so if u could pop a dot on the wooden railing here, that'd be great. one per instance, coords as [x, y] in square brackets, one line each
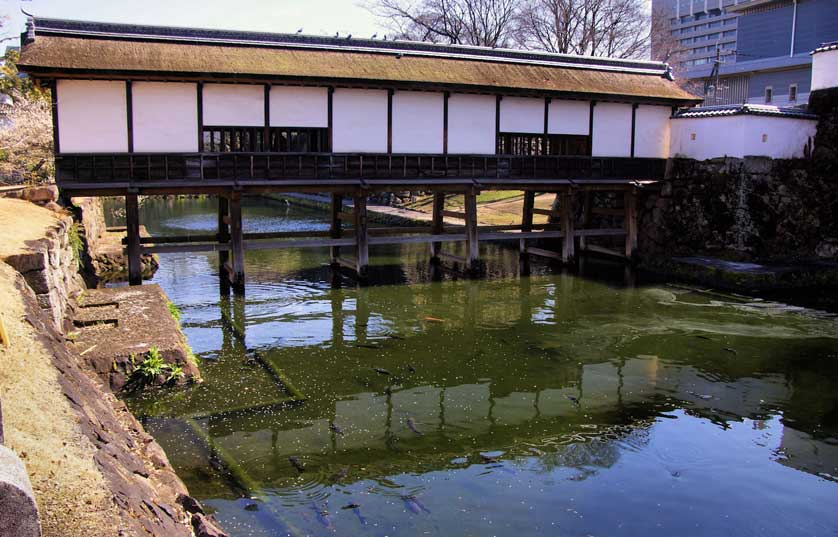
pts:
[243, 168]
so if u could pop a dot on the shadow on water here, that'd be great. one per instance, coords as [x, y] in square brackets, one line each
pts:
[514, 405]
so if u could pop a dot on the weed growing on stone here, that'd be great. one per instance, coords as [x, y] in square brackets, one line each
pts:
[174, 310]
[151, 367]
[76, 244]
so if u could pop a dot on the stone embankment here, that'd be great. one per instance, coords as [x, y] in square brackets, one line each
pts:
[93, 470]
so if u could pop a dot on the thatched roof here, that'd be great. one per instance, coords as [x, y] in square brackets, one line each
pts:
[74, 48]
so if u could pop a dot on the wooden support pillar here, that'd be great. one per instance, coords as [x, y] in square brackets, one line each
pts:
[586, 219]
[237, 242]
[526, 217]
[133, 251]
[223, 228]
[568, 242]
[362, 255]
[630, 202]
[335, 230]
[472, 246]
[437, 224]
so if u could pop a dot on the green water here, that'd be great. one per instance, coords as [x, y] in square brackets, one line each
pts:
[550, 404]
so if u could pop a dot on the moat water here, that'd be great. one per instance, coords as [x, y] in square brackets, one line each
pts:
[516, 405]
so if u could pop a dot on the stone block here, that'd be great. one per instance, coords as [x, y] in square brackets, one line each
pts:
[29, 261]
[18, 510]
[41, 193]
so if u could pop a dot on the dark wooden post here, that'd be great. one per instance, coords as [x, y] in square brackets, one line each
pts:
[237, 241]
[335, 230]
[568, 246]
[630, 202]
[437, 224]
[361, 239]
[473, 255]
[132, 228]
[223, 229]
[586, 218]
[526, 217]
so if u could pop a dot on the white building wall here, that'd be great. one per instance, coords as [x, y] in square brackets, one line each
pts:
[651, 131]
[299, 107]
[165, 117]
[359, 121]
[612, 130]
[417, 122]
[234, 105]
[92, 116]
[740, 136]
[825, 70]
[522, 114]
[569, 117]
[471, 124]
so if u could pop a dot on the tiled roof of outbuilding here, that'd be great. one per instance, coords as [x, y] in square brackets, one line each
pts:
[743, 109]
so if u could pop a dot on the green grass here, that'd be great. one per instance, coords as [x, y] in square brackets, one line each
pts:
[174, 311]
[75, 242]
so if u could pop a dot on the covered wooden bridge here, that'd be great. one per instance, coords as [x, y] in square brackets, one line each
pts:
[157, 110]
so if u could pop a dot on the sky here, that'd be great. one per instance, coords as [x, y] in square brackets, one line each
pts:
[314, 16]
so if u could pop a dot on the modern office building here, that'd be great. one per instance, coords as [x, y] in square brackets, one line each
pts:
[763, 46]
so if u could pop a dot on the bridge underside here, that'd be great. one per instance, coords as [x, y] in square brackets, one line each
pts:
[354, 177]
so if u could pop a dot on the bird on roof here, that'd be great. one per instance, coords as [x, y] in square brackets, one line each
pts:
[337, 34]
[300, 31]
[349, 36]
[374, 35]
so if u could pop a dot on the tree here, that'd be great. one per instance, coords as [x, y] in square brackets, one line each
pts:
[488, 23]
[13, 84]
[613, 28]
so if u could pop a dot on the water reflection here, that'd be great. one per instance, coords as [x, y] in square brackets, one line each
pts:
[541, 405]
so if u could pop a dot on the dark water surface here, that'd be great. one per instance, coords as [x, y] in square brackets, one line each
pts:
[513, 406]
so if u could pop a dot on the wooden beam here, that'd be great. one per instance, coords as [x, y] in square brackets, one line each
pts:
[129, 107]
[346, 215]
[472, 244]
[390, 121]
[132, 229]
[633, 126]
[361, 236]
[497, 122]
[53, 90]
[303, 243]
[546, 120]
[605, 251]
[445, 96]
[453, 258]
[438, 223]
[455, 214]
[544, 253]
[586, 218]
[547, 212]
[335, 230]
[630, 224]
[200, 99]
[412, 239]
[610, 211]
[527, 212]
[329, 116]
[237, 241]
[223, 228]
[568, 246]
[266, 131]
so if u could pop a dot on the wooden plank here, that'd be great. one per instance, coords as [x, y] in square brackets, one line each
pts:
[237, 240]
[453, 258]
[361, 236]
[132, 229]
[223, 228]
[547, 212]
[410, 239]
[601, 232]
[603, 250]
[178, 248]
[303, 243]
[520, 235]
[346, 216]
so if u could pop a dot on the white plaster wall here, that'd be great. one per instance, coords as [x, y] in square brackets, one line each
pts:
[569, 117]
[234, 105]
[704, 138]
[651, 131]
[359, 121]
[471, 124]
[612, 130]
[299, 106]
[740, 136]
[417, 122]
[92, 116]
[522, 114]
[165, 116]
[776, 137]
[825, 70]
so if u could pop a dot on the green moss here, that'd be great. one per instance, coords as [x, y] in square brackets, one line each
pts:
[76, 243]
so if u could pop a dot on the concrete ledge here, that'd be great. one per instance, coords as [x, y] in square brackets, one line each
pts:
[18, 510]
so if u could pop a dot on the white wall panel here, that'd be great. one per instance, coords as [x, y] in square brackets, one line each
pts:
[825, 70]
[92, 116]
[651, 131]
[299, 107]
[569, 117]
[522, 114]
[234, 105]
[417, 122]
[612, 130]
[165, 116]
[471, 124]
[359, 121]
